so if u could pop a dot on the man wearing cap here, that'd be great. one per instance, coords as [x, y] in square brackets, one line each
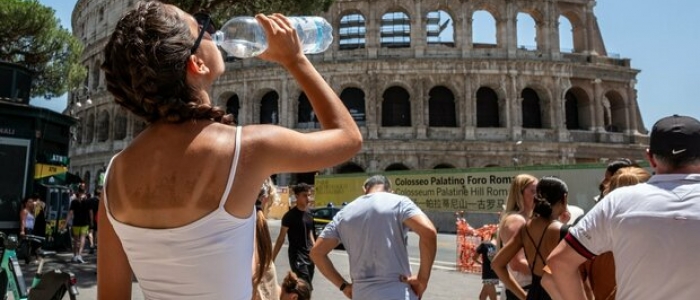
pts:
[653, 229]
[374, 230]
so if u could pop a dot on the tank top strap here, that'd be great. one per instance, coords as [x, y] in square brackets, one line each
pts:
[234, 165]
[104, 185]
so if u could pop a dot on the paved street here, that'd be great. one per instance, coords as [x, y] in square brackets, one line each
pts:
[445, 282]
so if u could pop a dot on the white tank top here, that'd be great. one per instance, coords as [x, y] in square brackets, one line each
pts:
[210, 258]
[29, 220]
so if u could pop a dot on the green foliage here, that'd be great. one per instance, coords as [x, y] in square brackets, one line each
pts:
[32, 36]
[223, 10]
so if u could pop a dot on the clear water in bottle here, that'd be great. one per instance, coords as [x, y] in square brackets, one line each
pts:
[243, 37]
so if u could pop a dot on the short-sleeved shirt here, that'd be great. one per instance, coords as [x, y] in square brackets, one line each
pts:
[81, 212]
[487, 251]
[653, 230]
[372, 231]
[300, 224]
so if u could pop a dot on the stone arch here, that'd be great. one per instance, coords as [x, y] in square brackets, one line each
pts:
[396, 167]
[395, 29]
[531, 108]
[96, 71]
[396, 107]
[269, 108]
[484, 20]
[578, 109]
[350, 167]
[436, 22]
[442, 110]
[90, 128]
[566, 37]
[120, 120]
[614, 112]
[444, 166]
[233, 106]
[578, 29]
[352, 30]
[487, 108]
[103, 126]
[308, 178]
[527, 38]
[306, 117]
[354, 100]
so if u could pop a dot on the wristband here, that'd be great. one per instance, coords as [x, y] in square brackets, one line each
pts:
[343, 286]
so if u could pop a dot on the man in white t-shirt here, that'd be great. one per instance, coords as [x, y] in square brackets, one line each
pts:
[652, 229]
[374, 232]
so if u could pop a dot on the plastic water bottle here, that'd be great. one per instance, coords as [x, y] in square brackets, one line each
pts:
[244, 37]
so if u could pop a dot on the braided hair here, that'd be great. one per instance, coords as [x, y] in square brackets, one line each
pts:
[145, 66]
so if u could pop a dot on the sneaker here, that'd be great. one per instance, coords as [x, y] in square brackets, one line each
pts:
[79, 259]
[74, 259]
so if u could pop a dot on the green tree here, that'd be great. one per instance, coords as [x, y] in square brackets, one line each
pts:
[222, 10]
[32, 36]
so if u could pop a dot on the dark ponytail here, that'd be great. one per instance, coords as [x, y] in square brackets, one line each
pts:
[550, 191]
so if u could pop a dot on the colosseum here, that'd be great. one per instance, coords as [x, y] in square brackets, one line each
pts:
[425, 91]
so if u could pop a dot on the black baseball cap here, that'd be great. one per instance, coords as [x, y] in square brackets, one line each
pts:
[675, 136]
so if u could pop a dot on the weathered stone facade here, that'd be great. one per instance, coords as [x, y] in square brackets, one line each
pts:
[421, 102]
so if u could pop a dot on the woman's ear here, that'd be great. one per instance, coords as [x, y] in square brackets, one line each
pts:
[196, 65]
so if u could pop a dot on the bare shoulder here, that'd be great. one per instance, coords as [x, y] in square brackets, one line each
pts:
[514, 220]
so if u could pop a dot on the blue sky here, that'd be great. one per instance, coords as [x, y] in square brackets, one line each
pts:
[661, 40]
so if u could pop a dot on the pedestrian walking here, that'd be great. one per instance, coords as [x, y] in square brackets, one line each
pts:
[297, 227]
[484, 254]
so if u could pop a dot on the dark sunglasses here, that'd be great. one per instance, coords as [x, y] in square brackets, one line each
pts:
[206, 24]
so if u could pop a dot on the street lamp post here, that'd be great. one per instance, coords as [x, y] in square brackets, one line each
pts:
[77, 94]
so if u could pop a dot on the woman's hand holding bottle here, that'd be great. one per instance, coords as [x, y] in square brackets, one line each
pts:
[283, 42]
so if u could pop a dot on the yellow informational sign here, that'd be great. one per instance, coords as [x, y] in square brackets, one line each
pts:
[475, 190]
[44, 170]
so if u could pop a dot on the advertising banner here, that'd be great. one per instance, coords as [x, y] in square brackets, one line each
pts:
[472, 190]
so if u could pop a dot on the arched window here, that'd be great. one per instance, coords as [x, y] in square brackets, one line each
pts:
[396, 167]
[350, 168]
[566, 35]
[351, 31]
[120, 125]
[396, 108]
[90, 128]
[441, 108]
[578, 109]
[614, 112]
[308, 178]
[527, 32]
[443, 166]
[395, 31]
[354, 100]
[483, 29]
[103, 126]
[269, 112]
[487, 108]
[96, 75]
[440, 28]
[532, 113]
[306, 117]
[232, 107]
